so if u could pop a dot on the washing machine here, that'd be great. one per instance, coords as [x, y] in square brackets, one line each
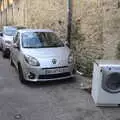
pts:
[106, 82]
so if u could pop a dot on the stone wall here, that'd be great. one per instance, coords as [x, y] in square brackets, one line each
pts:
[97, 24]
[3, 16]
[111, 28]
[87, 32]
[10, 18]
[48, 14]
[18, 12]
[15, 14]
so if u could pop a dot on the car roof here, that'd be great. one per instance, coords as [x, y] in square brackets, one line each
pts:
[34, 30]
[15, 26]
[8, 26]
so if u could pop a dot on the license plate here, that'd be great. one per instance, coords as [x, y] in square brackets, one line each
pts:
[55, 71]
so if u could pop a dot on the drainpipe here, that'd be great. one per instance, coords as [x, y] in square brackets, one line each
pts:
[1, 18]
[12, 14]
[69, 18]
[6, 16]
[24, 15]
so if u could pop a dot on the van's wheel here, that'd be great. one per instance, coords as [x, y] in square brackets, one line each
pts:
[21, 76]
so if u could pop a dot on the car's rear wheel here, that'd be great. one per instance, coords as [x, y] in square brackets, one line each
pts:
[21, 76]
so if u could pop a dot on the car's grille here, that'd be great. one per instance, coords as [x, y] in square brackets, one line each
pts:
[51, 76]
[55, 67]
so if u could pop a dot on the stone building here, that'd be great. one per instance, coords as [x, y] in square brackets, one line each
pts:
[95, 25]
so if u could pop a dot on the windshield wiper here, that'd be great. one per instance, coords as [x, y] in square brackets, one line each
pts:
[31, 47]
[46, 46]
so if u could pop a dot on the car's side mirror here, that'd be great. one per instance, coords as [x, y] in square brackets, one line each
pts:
[66, 43]
[16, 46]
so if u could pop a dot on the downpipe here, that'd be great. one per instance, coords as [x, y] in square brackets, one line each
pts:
[69, 26]
[69, 21]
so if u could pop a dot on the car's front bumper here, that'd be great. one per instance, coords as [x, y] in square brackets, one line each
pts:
[51, 79]
[39, 74]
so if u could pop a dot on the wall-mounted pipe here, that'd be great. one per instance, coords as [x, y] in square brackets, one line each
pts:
[1, 18]
[69, 23]
[12, 14]
[118, 3]
[6, 16]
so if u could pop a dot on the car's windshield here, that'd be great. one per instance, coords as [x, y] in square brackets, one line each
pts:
[10, 31]
[40, 40]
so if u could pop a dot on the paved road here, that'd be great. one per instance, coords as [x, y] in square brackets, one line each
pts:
[58, 100]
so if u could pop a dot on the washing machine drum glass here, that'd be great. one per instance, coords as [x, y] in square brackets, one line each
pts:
[111, 83]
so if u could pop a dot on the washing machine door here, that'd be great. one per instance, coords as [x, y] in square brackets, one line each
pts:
[111, 81]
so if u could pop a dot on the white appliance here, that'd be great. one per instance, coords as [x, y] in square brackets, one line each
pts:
[106, 83]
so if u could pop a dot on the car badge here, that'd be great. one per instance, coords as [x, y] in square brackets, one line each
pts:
[54, 61]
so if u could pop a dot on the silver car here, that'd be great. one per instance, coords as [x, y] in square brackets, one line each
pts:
[8, 33]
[39, 55]
[7, 39]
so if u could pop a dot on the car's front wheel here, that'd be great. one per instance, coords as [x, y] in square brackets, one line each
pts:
[21, 76]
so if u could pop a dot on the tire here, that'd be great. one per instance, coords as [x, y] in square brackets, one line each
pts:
[3, 54]
[21, 76]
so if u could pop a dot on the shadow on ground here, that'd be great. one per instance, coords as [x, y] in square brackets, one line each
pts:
[50, 83]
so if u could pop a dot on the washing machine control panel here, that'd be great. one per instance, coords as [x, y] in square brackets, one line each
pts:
[111, 69]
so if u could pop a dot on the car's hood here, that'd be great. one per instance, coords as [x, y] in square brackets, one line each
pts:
[47, 52]
[46, 55]
[5, 37]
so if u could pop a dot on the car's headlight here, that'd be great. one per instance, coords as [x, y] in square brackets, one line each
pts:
[31, 60]
[70, 58]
